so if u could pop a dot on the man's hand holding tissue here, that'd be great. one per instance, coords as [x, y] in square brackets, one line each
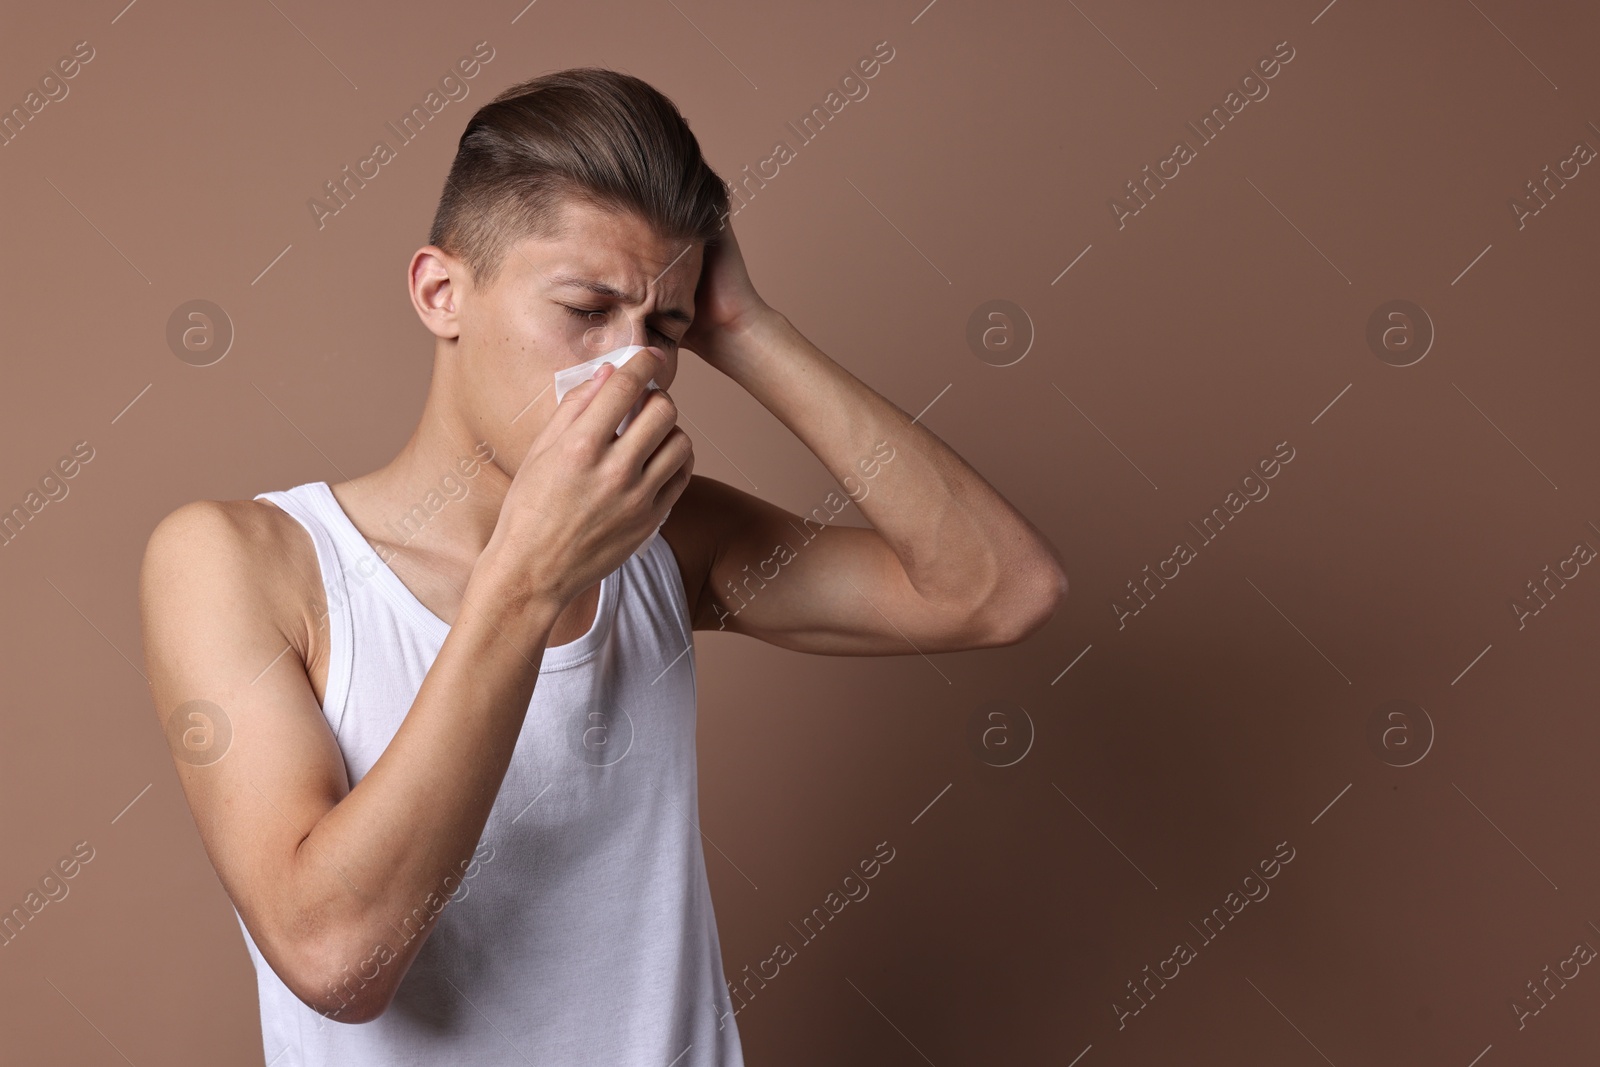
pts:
[585, 497]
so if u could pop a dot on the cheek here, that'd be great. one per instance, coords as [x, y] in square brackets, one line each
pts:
[522, 345]
[511, 324]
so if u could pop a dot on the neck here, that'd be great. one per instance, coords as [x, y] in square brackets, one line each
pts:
[439, 495]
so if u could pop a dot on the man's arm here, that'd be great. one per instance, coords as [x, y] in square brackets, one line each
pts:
[338, 887]
[947, 564]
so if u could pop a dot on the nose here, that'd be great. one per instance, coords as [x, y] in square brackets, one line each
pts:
[615, 333]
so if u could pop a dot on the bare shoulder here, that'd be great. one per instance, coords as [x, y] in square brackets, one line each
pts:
[222, 601]
[248, 552]
[694, 533]
[250, 537]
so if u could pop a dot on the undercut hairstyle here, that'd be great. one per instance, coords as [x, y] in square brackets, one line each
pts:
[585, 134]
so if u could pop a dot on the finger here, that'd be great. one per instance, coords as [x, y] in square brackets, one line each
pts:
[619, 392]
[580, 395]
[575, 400]
[649, 428]
[674, 486]
[665, 462]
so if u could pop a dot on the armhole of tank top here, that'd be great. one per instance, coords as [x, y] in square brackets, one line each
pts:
[340, 646]
[671, 574]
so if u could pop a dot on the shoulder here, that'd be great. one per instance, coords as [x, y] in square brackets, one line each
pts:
[222, 531]
[246, 553]
[696, 531]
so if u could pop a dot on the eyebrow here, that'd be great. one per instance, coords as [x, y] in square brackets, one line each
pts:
[602, 289]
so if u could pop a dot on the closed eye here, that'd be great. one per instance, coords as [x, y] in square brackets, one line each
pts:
[585, 313]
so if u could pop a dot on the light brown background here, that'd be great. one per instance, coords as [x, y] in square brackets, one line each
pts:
[1174, 754]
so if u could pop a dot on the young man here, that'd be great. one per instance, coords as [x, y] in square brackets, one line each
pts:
[457, 803]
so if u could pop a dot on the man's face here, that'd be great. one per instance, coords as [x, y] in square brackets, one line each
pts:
[609, 280]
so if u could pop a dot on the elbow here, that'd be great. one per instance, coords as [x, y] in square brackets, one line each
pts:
[334, 1009]
[330, 948]
[346, 996]
[342, 984]
[1036, 598]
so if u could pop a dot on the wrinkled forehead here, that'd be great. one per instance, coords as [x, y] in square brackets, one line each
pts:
[616, 255]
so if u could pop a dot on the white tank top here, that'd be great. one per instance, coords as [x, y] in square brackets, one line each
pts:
[582, 930]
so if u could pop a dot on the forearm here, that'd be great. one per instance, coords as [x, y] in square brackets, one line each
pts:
[379, 866]
[957, 538]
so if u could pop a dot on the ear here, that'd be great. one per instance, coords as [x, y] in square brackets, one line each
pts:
[437, 280]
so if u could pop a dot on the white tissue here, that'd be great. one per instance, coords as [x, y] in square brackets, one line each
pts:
[568, 378]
